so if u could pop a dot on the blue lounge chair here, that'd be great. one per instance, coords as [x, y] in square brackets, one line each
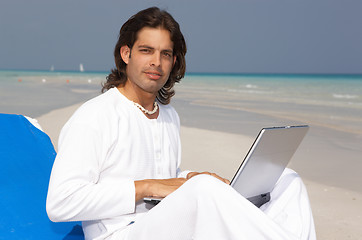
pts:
[26, 157]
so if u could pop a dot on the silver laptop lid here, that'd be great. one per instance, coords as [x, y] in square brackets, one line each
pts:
[267, 159]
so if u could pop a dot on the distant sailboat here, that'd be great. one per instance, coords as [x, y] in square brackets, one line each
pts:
[81, 68]
[52, 68]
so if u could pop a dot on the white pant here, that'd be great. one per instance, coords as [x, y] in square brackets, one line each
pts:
[206, 208]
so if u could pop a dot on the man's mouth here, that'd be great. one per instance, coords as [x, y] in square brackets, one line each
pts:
[154, 75]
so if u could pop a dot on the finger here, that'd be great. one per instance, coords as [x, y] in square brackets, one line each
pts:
[215, 175]
[192, 174]
[220, 178]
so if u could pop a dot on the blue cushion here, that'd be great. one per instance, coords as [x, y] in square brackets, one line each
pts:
[26, 157]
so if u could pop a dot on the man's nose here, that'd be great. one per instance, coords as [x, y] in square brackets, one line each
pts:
[156, 60]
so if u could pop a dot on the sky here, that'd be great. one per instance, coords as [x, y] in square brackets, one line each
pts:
[228, 36]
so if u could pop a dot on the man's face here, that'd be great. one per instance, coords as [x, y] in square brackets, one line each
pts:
[150, 60]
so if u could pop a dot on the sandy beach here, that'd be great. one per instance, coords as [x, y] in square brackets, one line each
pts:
[337, 211]
[220, 118]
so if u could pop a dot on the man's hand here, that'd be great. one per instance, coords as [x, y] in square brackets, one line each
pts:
[157, 187]
[193, 174]
[163, 187]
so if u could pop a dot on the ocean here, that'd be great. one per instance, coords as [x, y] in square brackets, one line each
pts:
[34, 93]
[333, 101]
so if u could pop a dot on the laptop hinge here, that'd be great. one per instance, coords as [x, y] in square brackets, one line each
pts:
[260, 199]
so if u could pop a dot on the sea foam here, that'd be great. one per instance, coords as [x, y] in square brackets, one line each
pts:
[344, 96]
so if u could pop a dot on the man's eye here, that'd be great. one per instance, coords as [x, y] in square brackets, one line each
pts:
[167, 54]
[145, 50]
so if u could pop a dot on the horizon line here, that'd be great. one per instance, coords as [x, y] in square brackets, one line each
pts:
[196, 73]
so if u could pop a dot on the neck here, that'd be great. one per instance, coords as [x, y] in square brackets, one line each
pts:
[145, 99]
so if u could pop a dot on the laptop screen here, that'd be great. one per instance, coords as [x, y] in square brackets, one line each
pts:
[267, 159]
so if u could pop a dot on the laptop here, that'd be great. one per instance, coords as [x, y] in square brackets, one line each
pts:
[264, 163]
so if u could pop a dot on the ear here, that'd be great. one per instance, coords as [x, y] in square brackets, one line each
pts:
[125, 52]
[174, 61]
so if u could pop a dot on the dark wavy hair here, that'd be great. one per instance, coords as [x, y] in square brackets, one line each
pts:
[154, 18]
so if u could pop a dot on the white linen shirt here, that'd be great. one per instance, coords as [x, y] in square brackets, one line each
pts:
[104, 147]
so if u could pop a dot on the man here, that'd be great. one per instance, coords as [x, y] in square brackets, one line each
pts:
[124, 145]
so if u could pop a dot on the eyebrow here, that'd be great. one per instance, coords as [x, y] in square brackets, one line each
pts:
[145, 46]
[151, 48]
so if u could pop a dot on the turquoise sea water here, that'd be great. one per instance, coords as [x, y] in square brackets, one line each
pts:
[330, 100]
[329, 90]
[34, 93]
[334, 101]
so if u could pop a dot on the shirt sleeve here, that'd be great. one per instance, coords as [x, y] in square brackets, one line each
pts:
[75, 191]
